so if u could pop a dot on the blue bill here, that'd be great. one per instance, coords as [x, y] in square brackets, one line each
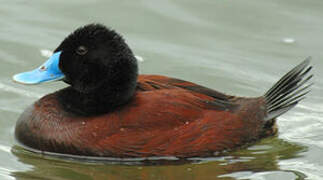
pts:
[49, 71]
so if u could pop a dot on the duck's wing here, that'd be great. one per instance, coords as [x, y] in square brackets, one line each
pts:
[152, 82]
[155, 82]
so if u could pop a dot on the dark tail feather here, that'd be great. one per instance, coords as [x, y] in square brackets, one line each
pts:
[289, 90]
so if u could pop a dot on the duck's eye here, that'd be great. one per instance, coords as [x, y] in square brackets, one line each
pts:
[81, 50]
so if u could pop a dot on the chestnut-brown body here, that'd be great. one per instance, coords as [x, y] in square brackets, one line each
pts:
[166, 117]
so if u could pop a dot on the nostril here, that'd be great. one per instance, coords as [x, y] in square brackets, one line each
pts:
[42, 68]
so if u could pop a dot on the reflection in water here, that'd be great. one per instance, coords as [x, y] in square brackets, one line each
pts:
[262, 157]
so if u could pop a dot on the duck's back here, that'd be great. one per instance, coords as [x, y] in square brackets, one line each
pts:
[166, 117]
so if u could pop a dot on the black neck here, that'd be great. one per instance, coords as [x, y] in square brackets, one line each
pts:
[116, 91]
[92, 104]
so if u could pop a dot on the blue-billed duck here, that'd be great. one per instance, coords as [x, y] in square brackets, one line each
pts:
[109, 110]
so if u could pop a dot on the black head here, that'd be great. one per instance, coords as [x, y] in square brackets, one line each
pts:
[99, 66]
[94, 57]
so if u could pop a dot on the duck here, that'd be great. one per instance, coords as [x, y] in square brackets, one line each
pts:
[108, 109]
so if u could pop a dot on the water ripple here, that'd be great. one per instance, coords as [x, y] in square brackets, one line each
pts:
[19, 91]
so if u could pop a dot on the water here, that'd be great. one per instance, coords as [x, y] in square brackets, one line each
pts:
[238, 47]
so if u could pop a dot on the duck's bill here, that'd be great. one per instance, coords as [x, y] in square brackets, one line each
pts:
[47, 72]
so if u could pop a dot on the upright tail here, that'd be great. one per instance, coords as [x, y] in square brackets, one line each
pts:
[289, 90]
